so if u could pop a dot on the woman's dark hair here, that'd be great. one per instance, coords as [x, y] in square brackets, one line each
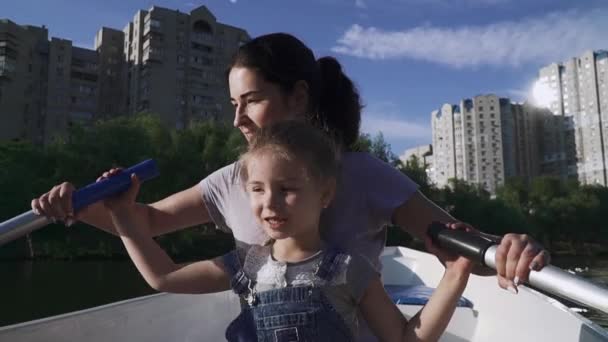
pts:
[333, 98]
[295, 140]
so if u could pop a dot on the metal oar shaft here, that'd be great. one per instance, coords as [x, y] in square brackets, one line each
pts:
[28, 222]
[551, 279]
[561, 283]
[21, 225]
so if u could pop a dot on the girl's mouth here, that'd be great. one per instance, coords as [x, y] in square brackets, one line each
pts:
[275, 222]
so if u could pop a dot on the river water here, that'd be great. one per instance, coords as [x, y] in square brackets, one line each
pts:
[32, 290]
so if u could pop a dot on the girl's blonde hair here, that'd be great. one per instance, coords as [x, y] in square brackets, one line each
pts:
[295, 140]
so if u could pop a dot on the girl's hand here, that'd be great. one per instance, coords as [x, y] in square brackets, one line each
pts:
[56, 204]
[452, 261]
[123, 202]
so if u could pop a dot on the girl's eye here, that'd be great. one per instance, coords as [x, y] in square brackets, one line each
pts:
[252, 100]
[256, 189]
[288, 189]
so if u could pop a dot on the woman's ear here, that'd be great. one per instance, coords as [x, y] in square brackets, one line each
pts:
[328, 193]
[300, 98]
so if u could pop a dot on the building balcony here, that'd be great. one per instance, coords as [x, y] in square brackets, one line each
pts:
[7, 72]
[153, 55]
[199, 37]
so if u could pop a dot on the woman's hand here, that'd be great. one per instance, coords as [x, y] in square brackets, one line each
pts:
[516, 256]
[56, 204]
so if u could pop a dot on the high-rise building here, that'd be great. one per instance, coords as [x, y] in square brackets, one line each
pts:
[47, 85]
[109, 44]
[24, 53]
[424, 154]
[576, 91]
[485, 140]
[177, 63]
[443, 123]
[165, 62]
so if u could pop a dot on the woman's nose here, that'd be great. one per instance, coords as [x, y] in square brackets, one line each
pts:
[239, 114]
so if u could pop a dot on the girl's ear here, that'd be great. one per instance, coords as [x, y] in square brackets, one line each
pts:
[328, 193]
[299, 98]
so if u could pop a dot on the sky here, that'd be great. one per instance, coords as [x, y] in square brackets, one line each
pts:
[407, 57]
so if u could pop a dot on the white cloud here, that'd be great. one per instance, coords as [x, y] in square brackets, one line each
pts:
[397, 130]
[360, 4]
[233, 1]
[551, 38]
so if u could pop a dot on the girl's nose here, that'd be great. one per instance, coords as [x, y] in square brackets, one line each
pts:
[272, 200]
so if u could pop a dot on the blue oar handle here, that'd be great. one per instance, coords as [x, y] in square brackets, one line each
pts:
[114, 185]
[28, 222]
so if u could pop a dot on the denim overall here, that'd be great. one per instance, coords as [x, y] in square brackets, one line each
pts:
[298, 313]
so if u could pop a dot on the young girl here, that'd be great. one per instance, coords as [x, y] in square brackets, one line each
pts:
[296, 287]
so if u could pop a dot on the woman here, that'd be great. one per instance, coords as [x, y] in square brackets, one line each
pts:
[273, 78]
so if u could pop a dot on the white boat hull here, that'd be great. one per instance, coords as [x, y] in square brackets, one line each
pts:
[497, 315]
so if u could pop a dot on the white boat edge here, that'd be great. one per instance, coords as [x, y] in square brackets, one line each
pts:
[497, 315]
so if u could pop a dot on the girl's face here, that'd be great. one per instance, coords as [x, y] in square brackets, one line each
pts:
[286, 201]
[258, 103]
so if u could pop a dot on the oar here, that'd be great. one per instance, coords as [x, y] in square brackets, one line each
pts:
[551, 279]
[28, 221]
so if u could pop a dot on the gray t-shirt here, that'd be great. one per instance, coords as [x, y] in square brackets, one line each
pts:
[368, 192]
[344, 290]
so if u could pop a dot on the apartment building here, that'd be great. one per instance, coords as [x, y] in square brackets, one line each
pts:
[23, 81]
[164, 62]
[177, 63]
[45, 85]
[424, 153]
[577, 93]
[485, 140]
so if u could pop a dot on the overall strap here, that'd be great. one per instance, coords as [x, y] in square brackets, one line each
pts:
[331, 264]
[240, 283]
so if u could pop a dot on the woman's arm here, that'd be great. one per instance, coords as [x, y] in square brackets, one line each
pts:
[180, 210]
[389, 324]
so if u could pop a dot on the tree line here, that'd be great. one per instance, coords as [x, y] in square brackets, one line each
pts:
[562, 214]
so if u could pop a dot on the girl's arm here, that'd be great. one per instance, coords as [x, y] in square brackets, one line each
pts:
[389, 324]
[157, 268]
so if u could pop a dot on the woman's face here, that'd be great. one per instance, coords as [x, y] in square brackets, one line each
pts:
[258, 103]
